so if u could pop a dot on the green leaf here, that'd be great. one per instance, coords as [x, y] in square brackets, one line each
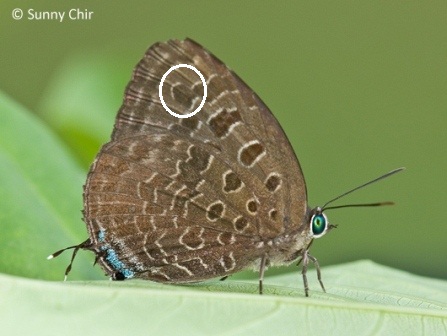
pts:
[41, 188]
[81, 104]
[41, 197]
[363, 299]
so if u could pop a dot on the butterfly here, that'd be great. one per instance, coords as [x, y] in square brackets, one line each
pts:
[179, 200]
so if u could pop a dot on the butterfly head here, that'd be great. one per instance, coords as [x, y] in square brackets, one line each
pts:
[319, 223]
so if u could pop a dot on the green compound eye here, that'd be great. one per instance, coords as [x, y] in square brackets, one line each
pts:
[319, 224]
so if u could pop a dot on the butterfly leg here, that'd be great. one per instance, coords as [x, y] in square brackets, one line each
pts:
[305, 260]
[261, 272]
[317, 266]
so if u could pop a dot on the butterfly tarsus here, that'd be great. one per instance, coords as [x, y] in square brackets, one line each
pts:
[261, 272]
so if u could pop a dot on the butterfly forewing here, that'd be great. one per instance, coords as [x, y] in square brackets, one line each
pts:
[188, 199]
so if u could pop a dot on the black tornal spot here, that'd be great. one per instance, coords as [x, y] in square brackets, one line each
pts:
[231, 182]
[215, 211]
[221, 123]
[119, 276]
[273, 182]
[249, 154]
[252, 206]
[240, 223]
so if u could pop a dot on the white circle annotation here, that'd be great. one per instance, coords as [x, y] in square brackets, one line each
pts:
[205, 90]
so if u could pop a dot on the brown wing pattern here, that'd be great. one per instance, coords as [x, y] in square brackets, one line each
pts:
[170, 195]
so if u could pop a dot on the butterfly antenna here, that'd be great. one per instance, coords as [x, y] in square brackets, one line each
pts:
[325, 207]
[75, 251]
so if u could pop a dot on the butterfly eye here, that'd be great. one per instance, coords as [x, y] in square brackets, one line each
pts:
[318, 225]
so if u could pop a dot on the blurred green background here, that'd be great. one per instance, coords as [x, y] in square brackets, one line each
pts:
[359, 87]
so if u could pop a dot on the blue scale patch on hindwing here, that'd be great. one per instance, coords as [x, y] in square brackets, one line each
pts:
[113, 258]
